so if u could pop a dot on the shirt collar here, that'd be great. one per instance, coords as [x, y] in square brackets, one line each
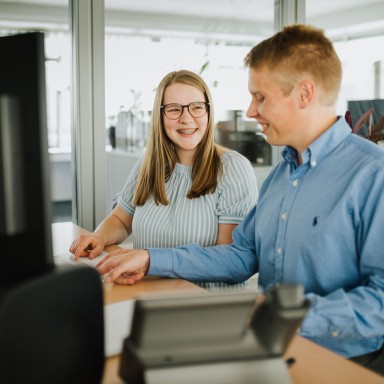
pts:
[323, 145]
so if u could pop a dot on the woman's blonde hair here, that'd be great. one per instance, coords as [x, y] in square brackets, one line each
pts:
[160, 158]
[300, 50]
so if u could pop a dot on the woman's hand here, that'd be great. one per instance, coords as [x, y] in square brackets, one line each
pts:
[89, 245]
[124, 266]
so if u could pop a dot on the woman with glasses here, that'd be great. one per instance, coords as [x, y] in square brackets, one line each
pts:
[186, 188]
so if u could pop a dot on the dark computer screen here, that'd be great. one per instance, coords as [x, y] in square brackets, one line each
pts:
[25, 200]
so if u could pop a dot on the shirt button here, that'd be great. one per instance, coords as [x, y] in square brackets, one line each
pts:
[295, 183]
[279, 250]
[335, 334]
[313, 163]
[284, 216]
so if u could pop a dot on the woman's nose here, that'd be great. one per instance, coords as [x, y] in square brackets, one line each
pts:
[185, 113]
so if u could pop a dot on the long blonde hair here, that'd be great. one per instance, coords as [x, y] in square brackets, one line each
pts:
[160, 158]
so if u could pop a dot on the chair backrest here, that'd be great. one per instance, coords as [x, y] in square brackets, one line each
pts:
[52, 328]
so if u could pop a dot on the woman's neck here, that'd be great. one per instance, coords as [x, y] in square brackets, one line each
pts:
[185, 157]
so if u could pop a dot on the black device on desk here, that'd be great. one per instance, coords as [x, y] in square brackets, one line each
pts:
[51, 318]
[25, 199]
[228, 337]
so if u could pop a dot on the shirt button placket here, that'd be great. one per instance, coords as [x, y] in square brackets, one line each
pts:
[279, 265]
[279, 256]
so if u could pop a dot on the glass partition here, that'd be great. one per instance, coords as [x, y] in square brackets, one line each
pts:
[18, 18]
[137, 57]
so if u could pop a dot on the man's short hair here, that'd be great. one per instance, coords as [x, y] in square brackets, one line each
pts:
[297, 52]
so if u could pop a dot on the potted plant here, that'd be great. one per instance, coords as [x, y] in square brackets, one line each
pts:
[375, 133]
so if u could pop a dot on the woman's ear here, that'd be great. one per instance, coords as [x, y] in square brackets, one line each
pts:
[306, 93]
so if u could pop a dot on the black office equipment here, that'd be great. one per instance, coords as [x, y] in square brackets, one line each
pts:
[25, 200]
[51, 318]
[212, 338]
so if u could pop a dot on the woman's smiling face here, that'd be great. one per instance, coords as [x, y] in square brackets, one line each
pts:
[186, 132]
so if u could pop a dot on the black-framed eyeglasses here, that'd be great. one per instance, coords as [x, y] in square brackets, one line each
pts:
[196, 109]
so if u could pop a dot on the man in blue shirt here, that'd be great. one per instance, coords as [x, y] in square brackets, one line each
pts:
[319, 220]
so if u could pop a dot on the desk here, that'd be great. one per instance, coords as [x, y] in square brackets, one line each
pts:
[313, 363]
[64, 233]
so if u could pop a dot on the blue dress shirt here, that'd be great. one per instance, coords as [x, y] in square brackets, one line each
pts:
[319, 224]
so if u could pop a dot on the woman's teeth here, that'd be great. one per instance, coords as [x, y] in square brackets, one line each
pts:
[186, 131]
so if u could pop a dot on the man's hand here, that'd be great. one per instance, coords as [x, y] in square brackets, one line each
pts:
[124, 266]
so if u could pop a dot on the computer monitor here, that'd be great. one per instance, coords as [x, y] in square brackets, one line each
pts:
[25, 200]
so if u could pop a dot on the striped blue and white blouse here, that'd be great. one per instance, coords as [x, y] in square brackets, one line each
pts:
[184, 221]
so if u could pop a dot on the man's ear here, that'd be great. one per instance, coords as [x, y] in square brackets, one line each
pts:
[306, 93]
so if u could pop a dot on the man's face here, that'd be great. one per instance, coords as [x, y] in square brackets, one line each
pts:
[275, 112]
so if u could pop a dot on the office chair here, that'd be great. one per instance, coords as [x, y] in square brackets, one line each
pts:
[52, 328]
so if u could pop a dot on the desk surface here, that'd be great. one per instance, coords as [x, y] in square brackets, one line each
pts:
[313, 364]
